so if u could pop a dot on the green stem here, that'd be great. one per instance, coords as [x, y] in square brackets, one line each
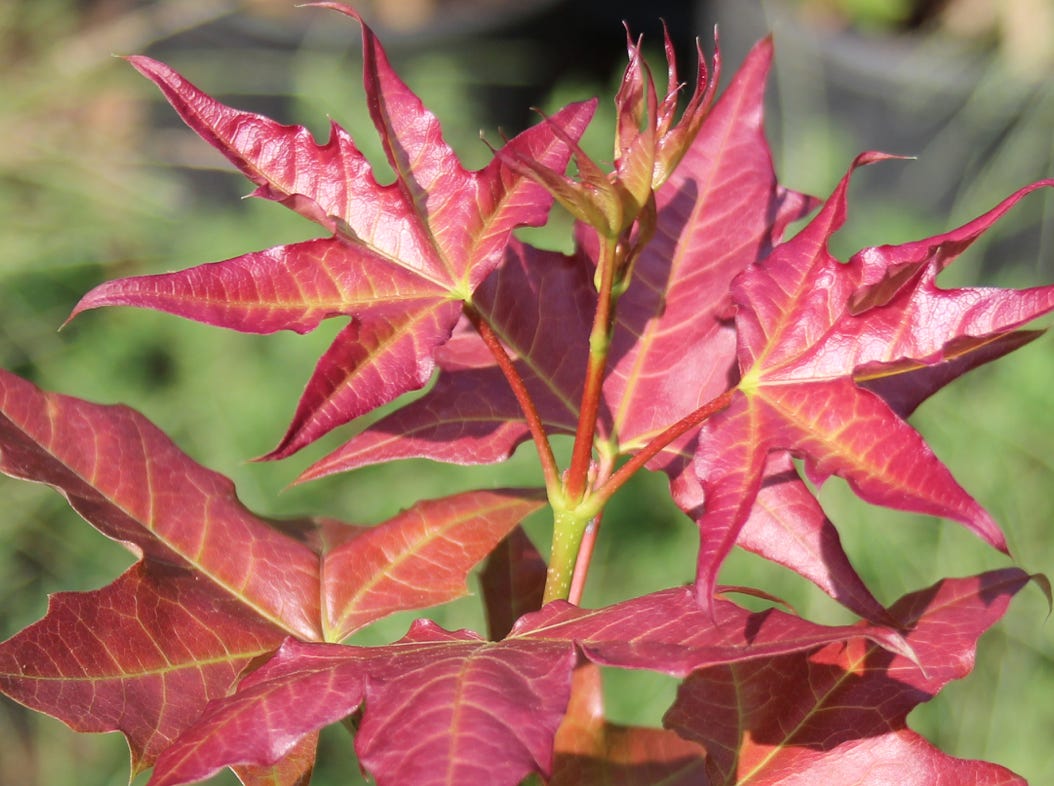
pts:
[550, 470]
[568, 528]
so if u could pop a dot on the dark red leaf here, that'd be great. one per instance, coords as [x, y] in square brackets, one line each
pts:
[838, 714]
[513, 582]
[590, 750]
[476, 709]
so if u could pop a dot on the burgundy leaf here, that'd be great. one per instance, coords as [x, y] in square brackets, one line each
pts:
[591, 750]
[513, 582]
[838, 714]
[402, 256]
[670, 632]
[476, 709]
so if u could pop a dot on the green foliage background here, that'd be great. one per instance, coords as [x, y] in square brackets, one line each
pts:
[97, 180]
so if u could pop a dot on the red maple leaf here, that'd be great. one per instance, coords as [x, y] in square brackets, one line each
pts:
[401, 260]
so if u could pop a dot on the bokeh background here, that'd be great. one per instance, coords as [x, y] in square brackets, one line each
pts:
[99, 179]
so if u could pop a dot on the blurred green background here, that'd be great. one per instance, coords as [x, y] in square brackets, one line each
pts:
[99, 179]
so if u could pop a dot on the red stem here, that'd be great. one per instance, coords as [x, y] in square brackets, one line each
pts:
[599, 339]
[649, 451]
[550, 470]
[585, 556]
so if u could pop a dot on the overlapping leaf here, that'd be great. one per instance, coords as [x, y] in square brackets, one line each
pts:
[217, 587]
[402, 257]
[475, 709]
[808, 326]
[838, 714]
[129, 480]
[539, 304]
[142, 656]
[672, 350]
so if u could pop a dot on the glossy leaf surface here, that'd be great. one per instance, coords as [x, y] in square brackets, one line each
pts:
[808, 326]
[402, 256]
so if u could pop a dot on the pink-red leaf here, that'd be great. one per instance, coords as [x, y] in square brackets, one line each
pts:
[470, 416]
[134, 485]
[417, 559]
[838, 714]
[402, 257]
[807, 325]
[141, 656]
[217, 587]
[466, 727]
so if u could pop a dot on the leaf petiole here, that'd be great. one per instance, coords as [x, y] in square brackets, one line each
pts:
[550, 470]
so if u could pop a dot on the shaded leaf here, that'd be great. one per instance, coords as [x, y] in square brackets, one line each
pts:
[293, 769]
[591, 750]
[838, 714]
[513, 582]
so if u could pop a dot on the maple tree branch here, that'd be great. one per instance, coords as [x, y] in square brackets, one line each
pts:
[607, 489]
[550, 470]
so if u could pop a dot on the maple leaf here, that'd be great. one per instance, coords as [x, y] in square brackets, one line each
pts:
[216, 587]
[672, 350]
[508, 697]
[401, 260]
[813, 717]
[470, 416]
[808, 327]
[674, 309]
